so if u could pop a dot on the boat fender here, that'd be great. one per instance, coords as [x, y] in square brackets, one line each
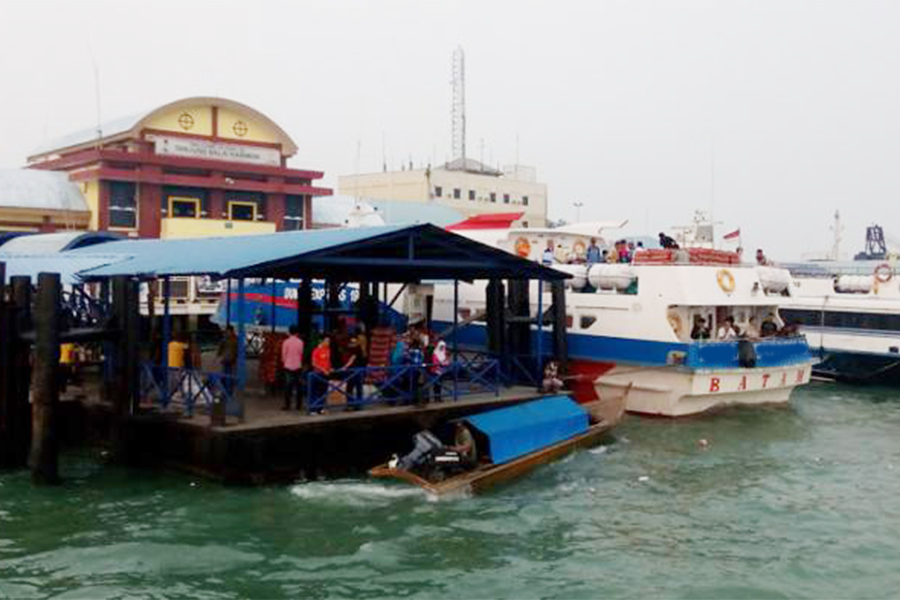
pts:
[883, 272]
[675, 323]
[726, 280]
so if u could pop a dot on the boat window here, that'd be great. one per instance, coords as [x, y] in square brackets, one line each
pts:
[587, 321]
[842, 320]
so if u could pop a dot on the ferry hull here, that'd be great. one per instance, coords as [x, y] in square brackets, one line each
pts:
[672, 392]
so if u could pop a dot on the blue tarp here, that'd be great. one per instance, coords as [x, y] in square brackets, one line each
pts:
[518, 430]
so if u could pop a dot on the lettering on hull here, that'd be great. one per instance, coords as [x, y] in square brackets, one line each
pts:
[764, 381]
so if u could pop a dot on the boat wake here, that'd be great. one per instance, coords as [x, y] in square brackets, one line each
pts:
[354, 493]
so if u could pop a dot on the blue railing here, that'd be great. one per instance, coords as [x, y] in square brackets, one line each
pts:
[190, 387]
[770, 352]
[402, 385]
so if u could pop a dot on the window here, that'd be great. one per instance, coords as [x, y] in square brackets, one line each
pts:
[471, 194]
[293, 213]
[524, 200]
[457, 193]
[184, 208]
[438, 190]
[587, 321]
[241, 211]
[493, 197]
[505, 198]
[122, 205]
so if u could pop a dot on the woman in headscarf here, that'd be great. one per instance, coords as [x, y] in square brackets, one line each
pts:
[440, 362]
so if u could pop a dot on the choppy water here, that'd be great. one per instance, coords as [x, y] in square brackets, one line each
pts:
[800, 502]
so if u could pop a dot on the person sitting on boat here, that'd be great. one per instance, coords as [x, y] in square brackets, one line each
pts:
[752, 331]
[552, 381]
[761, 259]
[593, 252]
[700, 331]
[667, 242]
[464, 445]
[548, 258]
[769, 327]
[727, 331]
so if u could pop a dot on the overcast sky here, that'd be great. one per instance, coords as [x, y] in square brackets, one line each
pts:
[774, 113]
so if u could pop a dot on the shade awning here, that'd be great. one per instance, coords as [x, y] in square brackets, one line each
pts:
[518, 430]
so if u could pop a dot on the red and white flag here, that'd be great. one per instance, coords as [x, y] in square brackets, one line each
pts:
[734, 234]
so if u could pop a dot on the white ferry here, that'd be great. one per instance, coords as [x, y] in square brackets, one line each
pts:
[630, 325]
[850, 310]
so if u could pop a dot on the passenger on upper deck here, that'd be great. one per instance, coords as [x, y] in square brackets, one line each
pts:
[752, 328]
[761, 259]
[666, 241]
[593, 252]
[727, 331]
[547, 259]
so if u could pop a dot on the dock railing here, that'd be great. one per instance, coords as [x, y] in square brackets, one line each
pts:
[189, 388]
[362, 387]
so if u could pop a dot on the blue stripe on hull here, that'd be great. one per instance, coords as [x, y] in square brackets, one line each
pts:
[699, 355]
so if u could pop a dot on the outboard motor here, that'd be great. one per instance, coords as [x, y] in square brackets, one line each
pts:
[425, 447]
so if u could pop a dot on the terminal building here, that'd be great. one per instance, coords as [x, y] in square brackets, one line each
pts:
[465, 185]
[192, 168]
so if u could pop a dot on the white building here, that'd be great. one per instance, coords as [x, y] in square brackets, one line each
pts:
[467, 186]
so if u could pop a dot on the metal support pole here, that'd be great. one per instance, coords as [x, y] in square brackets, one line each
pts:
[272, 303]
[166, 338]
[228, 302]
[242, 337]
[455, 339]
[540, 330]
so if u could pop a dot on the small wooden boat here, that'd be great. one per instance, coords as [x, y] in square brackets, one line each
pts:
[490, 473]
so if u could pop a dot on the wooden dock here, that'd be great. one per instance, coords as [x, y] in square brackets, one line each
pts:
[276, 445]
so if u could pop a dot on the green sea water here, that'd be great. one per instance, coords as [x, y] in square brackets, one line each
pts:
[800, 501]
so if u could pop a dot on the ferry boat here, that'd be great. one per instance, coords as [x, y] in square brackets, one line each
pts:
[630, 325]
[849, 312]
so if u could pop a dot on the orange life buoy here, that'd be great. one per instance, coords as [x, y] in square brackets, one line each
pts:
[523, 247]
[883, 272]
[726, 280]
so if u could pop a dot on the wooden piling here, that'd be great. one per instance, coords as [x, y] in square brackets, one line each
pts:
[20, 359]
[560, 341]
[519, 335]
[44, 459]
[6, 374]
[495, 302]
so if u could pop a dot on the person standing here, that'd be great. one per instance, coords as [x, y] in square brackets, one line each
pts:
[415, 360]
[321, 363]
[176, 351]
[440, 362]
[547, 259]
[227, 353]
[292, 359]
[727, 331]
[355, 367]
[593, 253]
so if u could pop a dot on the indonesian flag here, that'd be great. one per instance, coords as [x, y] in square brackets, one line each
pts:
[734, 234]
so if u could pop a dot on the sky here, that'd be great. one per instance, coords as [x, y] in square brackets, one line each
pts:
[769, 114]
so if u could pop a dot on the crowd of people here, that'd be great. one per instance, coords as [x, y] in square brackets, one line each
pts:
[339, 359]
[729, 330]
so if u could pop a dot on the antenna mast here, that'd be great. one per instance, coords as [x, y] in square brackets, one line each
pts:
[459, 105]
[836, 244]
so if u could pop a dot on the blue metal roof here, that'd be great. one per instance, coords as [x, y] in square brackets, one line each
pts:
[66, 264]
[385, 253]
[519, 430]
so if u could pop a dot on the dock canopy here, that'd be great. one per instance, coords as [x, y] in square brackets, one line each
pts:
[388, 253]
[519, 430]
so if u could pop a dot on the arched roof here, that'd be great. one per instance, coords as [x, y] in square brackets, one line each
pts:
[130, 127]
[51, 243]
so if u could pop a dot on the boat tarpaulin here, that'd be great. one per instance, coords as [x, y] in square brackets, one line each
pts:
[519, 430]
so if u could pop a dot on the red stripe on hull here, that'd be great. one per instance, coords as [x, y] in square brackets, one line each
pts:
[586, 373]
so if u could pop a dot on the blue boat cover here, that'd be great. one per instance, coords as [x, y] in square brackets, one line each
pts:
[519, 430]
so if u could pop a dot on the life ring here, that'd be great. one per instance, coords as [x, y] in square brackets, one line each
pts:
[675, 323]
[726, 280]
[883, 272]
[579, 248]
[523, 247]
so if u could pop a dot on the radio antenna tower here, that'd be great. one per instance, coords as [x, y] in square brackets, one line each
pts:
[459, 105]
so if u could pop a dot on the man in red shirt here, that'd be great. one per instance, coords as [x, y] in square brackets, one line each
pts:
[321, 362]
[292, 359]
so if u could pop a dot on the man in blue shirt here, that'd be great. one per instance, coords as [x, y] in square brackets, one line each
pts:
[593, 252]
[548, 259]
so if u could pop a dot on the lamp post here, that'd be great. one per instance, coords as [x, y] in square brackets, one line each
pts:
[578, 206]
